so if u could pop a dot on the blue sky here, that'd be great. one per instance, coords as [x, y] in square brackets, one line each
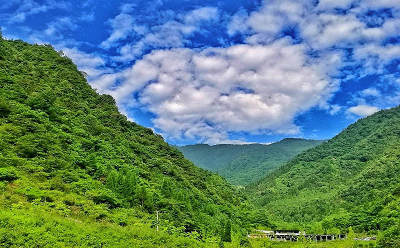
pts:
[227, 71]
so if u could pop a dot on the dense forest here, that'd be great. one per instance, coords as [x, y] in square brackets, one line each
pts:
[352, 180]
[75, 169]
[244, 164]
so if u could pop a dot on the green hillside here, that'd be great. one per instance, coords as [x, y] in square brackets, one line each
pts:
[350, 180]
[244, 164]
[75, 172]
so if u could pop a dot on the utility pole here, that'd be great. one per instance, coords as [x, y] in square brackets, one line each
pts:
[157, 219]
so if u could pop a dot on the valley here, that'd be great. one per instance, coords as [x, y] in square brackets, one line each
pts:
[74, 172]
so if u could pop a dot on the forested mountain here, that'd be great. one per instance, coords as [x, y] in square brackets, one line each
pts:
[350, 180]
[75, 172]
[243, 164]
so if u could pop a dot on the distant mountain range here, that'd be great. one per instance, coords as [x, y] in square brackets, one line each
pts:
[244, 164]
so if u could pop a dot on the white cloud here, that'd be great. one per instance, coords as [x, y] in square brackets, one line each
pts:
[123, 25]
[56, 28]
[103, 80]
[207, 94]
[332, 4]
[238, 23]
[327, 30]
[382, 53]
[371, 92]
[201, 14]
[375, 57]
[319, 26]
[171, 34]
[274, 15]
[89, 63]
[363, 110]
[26, 8]
[380, 4]
[334, 109]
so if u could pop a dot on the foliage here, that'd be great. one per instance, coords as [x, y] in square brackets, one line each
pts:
[390, 238]
[244, 164]
[227, 235]
[36, 228]
[8, 174]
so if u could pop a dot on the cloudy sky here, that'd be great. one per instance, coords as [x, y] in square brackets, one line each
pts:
[209, 71]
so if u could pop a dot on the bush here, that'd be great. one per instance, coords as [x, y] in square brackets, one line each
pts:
[8, 174]
[4, 109]
[390, 238]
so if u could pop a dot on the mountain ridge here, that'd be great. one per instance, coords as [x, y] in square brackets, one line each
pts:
[242, 164]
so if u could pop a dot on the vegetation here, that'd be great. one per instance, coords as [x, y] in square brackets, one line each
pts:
[37, 228]
[244, 164]
[75, 172]
[352, 180]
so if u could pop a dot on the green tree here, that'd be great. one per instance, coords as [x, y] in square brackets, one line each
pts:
[227, 232]
[390, 238]
[350, 242]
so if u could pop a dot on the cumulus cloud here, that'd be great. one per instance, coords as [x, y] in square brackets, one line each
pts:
[275, 15]
[207, 94]
[363, 110]
[333, 30]
[320, 26]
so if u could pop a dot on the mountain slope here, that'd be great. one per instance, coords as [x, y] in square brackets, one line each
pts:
[66, 150]
[243, 164]
[350, 180]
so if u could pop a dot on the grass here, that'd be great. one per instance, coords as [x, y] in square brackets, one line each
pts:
[36, 228]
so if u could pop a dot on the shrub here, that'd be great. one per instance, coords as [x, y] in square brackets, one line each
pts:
[8, 174]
